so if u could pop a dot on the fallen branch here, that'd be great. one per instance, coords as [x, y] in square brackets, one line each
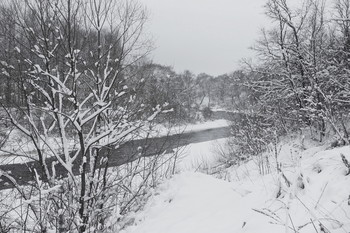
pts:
[346, 163]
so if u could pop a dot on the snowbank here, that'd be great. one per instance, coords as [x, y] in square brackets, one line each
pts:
[310, 194]
[193, 202]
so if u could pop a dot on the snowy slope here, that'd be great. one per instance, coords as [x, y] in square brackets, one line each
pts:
[199, 156]
[194, 202]
[313, 197]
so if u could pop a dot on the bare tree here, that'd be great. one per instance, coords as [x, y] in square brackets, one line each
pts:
[76, 58]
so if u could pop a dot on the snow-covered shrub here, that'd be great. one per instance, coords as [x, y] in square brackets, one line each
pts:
[251, 133]
[73, 67]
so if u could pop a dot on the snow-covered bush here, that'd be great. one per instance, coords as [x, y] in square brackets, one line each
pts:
[251, 134]
[74, 60]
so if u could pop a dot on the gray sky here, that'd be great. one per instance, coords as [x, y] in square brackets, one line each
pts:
[208, 36]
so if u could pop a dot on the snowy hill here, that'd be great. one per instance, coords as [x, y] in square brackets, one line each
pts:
[308, 194]
[193, 202]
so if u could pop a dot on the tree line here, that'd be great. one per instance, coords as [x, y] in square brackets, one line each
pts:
[76, 83]
[77, 72]
[300, 77]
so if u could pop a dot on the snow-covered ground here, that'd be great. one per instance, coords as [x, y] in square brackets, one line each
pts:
[161, 130]
[199, 156]
[310, 195]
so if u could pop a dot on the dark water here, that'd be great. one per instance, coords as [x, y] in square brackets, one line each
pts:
[127, 152]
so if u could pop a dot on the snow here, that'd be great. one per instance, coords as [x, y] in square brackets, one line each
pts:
[241, 199]
[310, 194]
[194, 202]
[20, 149]
[161, 130]
[207, 125]
[199, 156]
[182, 206]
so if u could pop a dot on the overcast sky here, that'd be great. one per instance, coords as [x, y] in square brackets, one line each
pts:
[208, 36]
